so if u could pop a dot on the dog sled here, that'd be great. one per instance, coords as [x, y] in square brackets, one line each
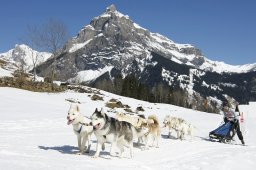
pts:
[224, 133]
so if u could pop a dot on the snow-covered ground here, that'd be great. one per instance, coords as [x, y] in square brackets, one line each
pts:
[34, 135]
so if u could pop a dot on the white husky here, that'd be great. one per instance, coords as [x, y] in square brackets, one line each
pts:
[180, 126]
[81, 127]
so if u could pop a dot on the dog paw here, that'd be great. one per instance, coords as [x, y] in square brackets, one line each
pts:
[79, 153]
[95, 156]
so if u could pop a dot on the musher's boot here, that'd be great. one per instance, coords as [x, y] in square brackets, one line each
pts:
[242, 142]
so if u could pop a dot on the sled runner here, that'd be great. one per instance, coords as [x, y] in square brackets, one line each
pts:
[223, 133]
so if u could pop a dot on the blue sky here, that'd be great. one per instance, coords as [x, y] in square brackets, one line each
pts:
[225, 30]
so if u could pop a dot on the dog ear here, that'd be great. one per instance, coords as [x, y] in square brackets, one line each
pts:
[103, 113]
[96, 110]
[100, 111]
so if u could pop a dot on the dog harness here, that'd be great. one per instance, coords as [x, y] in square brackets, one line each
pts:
[80, 129]
[148, 132]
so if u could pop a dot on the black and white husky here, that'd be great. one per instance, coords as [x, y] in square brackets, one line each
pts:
[108, 129]
[81, 127]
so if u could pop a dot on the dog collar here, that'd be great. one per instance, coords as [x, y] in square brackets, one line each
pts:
[85, 124]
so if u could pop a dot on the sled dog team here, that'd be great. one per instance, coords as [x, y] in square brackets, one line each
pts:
[121, 131]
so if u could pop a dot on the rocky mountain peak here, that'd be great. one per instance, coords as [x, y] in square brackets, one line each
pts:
[115, 30]
[111, 8]
[111, 29]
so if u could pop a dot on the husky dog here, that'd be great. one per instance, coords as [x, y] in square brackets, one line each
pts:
[153, 132]
[170, 122]
[184, 128]
[180, 126]
[81, 127]
[108, 129]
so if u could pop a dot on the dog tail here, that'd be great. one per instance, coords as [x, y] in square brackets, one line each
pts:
[156, 123]
[154, 118]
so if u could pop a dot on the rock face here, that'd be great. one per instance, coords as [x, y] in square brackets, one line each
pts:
[112, 44]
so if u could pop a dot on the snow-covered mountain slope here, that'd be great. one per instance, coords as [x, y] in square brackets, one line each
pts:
[7, 68]
[5, 73]
[190, 55]
[140, 41]
[22, 56]
[35, 135]
[220, 67]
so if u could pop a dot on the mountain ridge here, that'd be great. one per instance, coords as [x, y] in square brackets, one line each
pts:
[181, 53]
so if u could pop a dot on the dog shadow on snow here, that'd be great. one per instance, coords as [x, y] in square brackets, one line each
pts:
[168, 137]
[67, 149]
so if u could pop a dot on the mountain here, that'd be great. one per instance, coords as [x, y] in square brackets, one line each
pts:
[113, 45]
[21, 56]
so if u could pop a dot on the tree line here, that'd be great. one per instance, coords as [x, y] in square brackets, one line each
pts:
[130, 86]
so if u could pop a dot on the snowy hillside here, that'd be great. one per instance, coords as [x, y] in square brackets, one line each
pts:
[34, 135]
